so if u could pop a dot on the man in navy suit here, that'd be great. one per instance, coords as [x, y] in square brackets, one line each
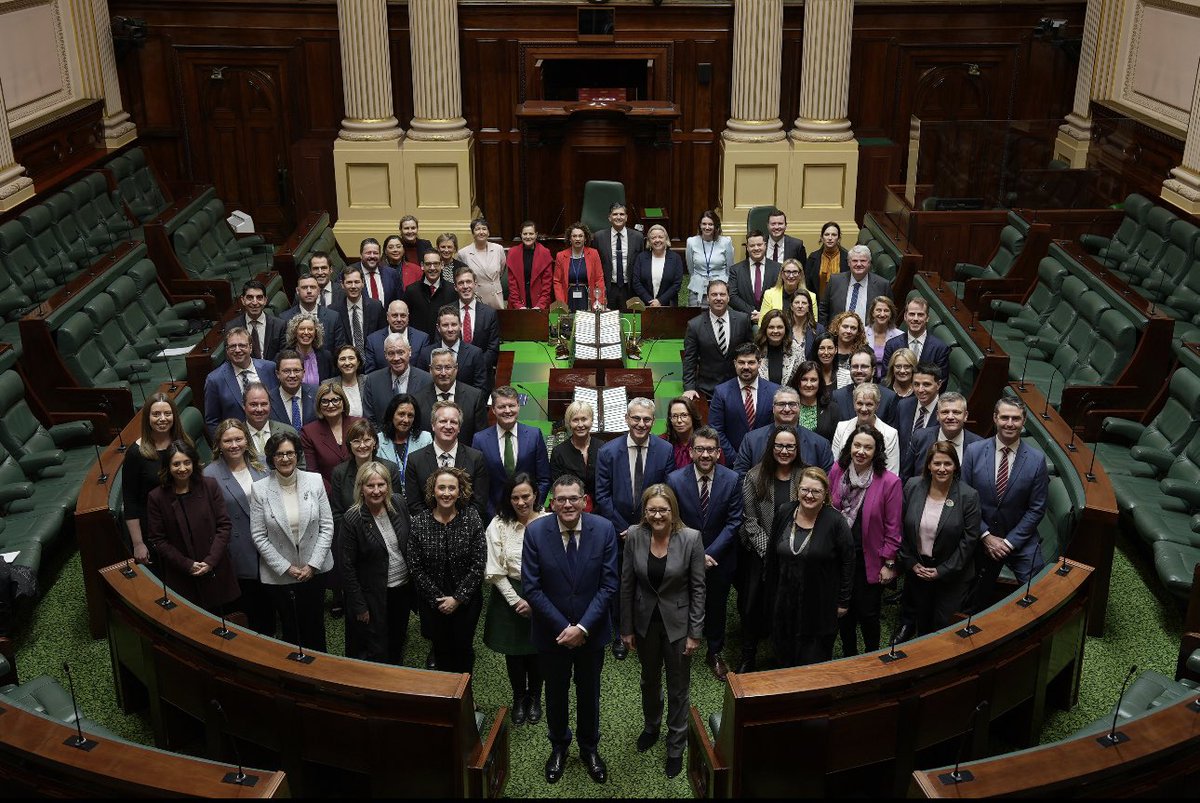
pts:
[1011, 478]
[329, 292]
[472, 368]
[224, 386]
[397, 376]
[855, 291]
[447, 387]
[480, 324]
[625, 467]
[751, 277]
[427, 297]
[307, 291]
[785, 408]
[266, 328]
[862, 369]
[510, 448]
[710, 500]
[928, 347]
[727, 410]
[293, 402]
[918, 410]
[380, 281]
[360, 316]
[782, 246]
[951, 420]
[569, 578]
[397, 323]
[618, 246]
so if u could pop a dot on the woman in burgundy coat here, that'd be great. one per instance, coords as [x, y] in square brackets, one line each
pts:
[324, 440]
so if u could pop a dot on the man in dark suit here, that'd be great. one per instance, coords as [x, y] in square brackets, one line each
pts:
[225, 385]
[710, 500]
[862, 369]
[569, 578]
[928, 347]
[360, 316]
[751, 277]
[446, 387]
[951, 426]
[710, 342]
[727, 412]
[256, 403]
[918, 410]
[397, 376]
[472, 366]
[1011, 478]
[446, 450]
[617, 246]
[293, 402]
[480, 324]
[307, 290]
[785, 407]
[381, 281]
[426, 297]
[510, 448]
[266, 331]
[780, 246]
[329, 292]
[397, 323]
[855, 291]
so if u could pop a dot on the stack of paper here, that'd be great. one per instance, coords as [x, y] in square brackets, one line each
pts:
[614, 402]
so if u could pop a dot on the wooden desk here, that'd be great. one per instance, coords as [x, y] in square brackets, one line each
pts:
[523, 324]
[381, 731]
[666, 323]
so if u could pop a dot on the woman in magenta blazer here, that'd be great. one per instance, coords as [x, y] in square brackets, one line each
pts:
[870, 498]
[324, 441]
[530, 272]
[578, 276]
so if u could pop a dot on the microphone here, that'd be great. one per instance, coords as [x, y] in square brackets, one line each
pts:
[1046, 409]
[989, 349]
[127, 570]
[103, 474]
[106, 407]
[894, 654]
[1115, 736]
[1028, 599]
[1091, 475]
[1021, 384]
[164, 602]
[654, 393]
[536, 401]
[1064, 569]
[969, 629]
[78, 741]
[223, 631]
[239, 778]
[174, 386]
[298, 656]
[957, 776]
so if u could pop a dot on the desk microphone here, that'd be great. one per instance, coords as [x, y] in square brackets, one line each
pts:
[969, 629]
[1029, 598]
[971, 325]
[1046, 409]
[239, 778]
[654, 392]
[223, 631]
[894, 654]
[103, 478]
[988, 348]
[174, 386]
[1071, 447]
[1114, 736]
[1091, 475]
[164, 602]
[1025, 365]
[106, 406]
[1064, 569]
[298, 656]
[78, 741]
[556, 426]
[957, 776]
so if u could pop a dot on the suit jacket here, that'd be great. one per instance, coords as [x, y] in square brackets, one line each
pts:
[958, 529]
[272, 337]
[337, 294]
[389, 277]
[842, 402]
[331, 322]
[308, 405]
[363, 562]
[472, 402]
[1016, 516]
[595, 276]
[680, 597]
[423, 307]
[322, 452]
[472, 364]
[421, 464]
[912, 462]
[373, 319]
[933, 351]
[485, 336]
[186, 530]
[237, 505]
[812, 267]
[531, 458]
[834, 300]
[719, 528]
[814, 450]
[880, 516]
[793, 248]
[375, 358]
[561, 597]
[727, 412]
[223, 392]
[377, 392]
[541, 281]
[668, 287]
[273, 535]
[904, 415]
[635, 243]
[704, 365]
[616, 499]
[741, 284]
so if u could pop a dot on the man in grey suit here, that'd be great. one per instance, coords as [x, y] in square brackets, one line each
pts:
[712, 338]
[617, 246]
[446, 387]
[751, 277]
[398, 376]
[780, 246]
[446, 450]
[855, 291]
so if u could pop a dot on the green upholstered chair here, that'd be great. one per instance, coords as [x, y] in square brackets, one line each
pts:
[598, 196]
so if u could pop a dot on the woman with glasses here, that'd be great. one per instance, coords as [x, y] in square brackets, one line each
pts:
[292, 527]
[809, 573]
[899, 376]
[577, 454]
[767, 487]
[682, 421]
[789, 285]
[324, 440]
[662, 614]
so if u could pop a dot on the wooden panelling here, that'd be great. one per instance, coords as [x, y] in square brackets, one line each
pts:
[1130, 154]
[53, 151]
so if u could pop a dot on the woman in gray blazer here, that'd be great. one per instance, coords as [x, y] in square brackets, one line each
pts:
[292, 527]
[662, 614]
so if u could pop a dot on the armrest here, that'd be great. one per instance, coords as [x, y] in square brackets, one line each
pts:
[1185, 491]
[14, 491]
[127, 369]
[1196, 523]
[1029, 326]
[1042, 344]
[1138, 268]
[33, 464]
[72, 432]
[1094, 242]
[1122, 428]
[171, 328]
[1161, 459]
[1009, 308]
[187, 308]
[11, 302]
[1189, 303]
[968, 270]
[147, 348]
[1115, 251]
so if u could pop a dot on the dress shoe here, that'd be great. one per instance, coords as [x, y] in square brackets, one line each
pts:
[674, 766]
[646, 740]
[748, 665]
[595, 766]
[519, 712]
[533, 714]
[556, 764]
[717, 664]
[903, 633]
[430, 661]
[619, 650]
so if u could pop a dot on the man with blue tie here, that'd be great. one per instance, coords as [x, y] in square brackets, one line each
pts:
[854, 291]
[741, 404]
[510, 448]
[918, 410]
[397, 324]
[952, 421]
[293, 402]
[1011, 478]
[224, 387]
[710, 500]
[928, 347]
[625, 467]
[569, 578]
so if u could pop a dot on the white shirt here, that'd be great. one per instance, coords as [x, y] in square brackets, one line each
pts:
[631, 450]
[401, 382]
[326, 295]
[397, 574]
[861, 307]
[261, 323]
[249, 372]
[453, 452]
[623, 236]
[957, 443]
[771, 249]
[259, 437]
[443, 395]
[1012, 458]
[700, 477]
[932, 410]
[500, 433]
[657, 264]
[712, 319]
[367, 274]
[916, 343]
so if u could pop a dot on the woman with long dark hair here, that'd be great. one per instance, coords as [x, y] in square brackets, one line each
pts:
[780, 354]
[161, 427]
[682, 421]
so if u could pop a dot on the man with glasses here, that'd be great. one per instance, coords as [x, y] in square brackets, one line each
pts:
[625, 467]
[225, 386]
[814, 450]
[862, 369]
[743, 403]
[293, 401]
[426, 297]
[447, 387]
[397, 376]
[569, 578]
[397, 324]
[445, 451]
[710, 500]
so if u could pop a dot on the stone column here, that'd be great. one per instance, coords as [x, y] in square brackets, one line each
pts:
[15, 186]
[366, 72]
[1075, 134]
[757, 54]
[825, 72]
[437, 86]
[1183, 188]
[118, 128]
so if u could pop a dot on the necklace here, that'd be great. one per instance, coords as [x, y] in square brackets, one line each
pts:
[796, 529]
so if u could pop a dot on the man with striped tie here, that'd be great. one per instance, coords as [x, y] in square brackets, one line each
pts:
[711, 340]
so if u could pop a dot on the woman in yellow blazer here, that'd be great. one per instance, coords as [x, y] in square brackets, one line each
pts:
[790, 282]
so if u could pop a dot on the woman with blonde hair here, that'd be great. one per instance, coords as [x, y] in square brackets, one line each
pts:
[899, 374]
[789, 284]
[306, 336]
[657, 274]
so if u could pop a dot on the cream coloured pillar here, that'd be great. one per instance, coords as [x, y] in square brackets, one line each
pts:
[1075, 134]
[754, 149]
[118, 128]
[439, 153]
[15, 186]
[367, 158]
[1183, 187]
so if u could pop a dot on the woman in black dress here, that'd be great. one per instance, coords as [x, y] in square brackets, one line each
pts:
[143, 461]
[577, 454]
[810, 574]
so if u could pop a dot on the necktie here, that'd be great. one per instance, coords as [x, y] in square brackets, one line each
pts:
[639, 470]
[375, 293]
[445, 396]
[445, 458]
[510, 459]
[915, 345]
[395, 384]
[466, 324]
[1002, 474]
[749, 404]
[296, 421]
[255, 341]
[356, 327]
[572, 550]
[260, 441]
[757, 282]
[245, 380]
[854, 298]
[922, 414]
[620, 259]
[721, 340]
[704, 497]
[775, 256]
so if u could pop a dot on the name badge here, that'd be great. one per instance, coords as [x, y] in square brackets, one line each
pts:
[577, 294]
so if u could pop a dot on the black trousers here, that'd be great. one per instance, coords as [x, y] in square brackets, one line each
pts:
[716, 606]
[453, 635]
[385, 640]
[866, 601]
[585, 663]
[303, 617]
[618, 294]
[933, 603]
[806, 650]
[257, 604]
[524, 675]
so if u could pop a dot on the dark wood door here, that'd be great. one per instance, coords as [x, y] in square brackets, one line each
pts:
[238, 133]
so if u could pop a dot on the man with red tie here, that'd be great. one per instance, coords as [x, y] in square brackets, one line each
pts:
[751, 277]
[480, 325]
[742, 404]
[381, 282]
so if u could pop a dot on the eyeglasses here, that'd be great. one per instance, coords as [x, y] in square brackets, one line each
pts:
[787, 405]
[334, 402]
[569, 500]
[363, 442]
[285, 455]
[705, 449]
[658, 511]
[680, 416]
[810, 492]
[641, 419]
[785, 447]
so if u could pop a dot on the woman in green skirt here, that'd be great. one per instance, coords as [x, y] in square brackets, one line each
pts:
[507, 628]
